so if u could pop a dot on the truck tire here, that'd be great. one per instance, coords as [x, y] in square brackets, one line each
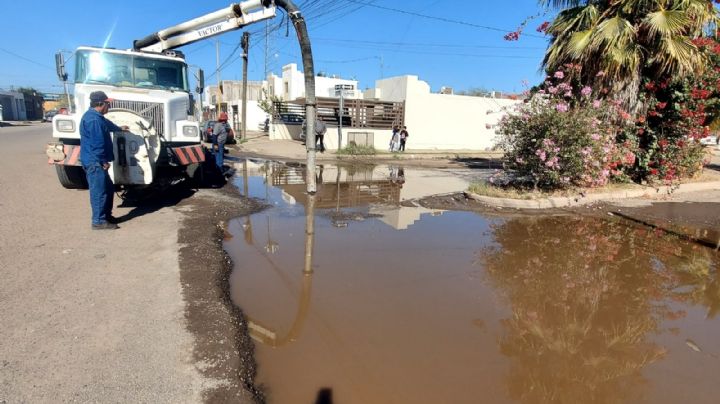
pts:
[71, 177]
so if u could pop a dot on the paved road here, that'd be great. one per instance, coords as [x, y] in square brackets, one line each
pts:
[87, 316]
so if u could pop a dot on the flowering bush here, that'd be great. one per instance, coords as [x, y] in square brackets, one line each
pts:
[677, 116]
[565, 136]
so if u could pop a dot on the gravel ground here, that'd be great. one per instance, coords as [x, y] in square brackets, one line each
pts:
[131, 315]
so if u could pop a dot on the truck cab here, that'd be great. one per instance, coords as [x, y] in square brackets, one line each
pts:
[151, 95]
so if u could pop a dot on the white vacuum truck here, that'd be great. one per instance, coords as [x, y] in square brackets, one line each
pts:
[151, 95]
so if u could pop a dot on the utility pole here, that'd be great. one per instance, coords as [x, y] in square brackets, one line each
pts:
[310, 100]
[219, 83]
[245, 42]
[382, 67]
[340, 116]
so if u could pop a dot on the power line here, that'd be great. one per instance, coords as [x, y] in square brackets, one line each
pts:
[443, 19]
[26, 59]
[415, 44]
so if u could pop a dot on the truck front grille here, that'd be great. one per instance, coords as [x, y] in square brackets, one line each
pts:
[152, 111]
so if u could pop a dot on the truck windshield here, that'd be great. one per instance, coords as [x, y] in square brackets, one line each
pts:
[98, 67]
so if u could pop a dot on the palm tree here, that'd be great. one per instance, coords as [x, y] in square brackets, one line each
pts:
[627, 40]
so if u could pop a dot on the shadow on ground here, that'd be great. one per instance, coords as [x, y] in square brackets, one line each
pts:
[148, 201]
[479, 162]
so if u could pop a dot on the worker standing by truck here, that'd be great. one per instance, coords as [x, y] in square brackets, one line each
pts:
[221, 131]
[96, 154]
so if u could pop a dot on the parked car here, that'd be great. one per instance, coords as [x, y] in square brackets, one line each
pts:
[206, 132]
[292, 118]
[712, 140]
[49, 116]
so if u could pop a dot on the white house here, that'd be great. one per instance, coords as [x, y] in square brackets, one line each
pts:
[434, 121]
[442, 121]
[291, 85]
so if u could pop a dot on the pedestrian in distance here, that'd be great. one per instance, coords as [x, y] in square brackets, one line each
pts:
[96, 154]
[320, 130]
[221, 130]
[403, 138]
[395, 138]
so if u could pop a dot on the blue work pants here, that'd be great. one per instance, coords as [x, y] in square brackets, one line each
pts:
[101, 192]
[220, 155]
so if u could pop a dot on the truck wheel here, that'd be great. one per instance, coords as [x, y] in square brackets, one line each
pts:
[71, 177]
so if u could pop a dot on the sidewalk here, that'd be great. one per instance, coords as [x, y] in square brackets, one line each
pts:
[258, 144]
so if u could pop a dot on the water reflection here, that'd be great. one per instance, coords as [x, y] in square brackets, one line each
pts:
[347, 193]
[587, 296]
[265, 334]
[467, 308]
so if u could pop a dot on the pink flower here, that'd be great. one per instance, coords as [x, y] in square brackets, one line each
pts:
[559, 75]
[596, 104]
[512, 36]
[586, 91]
[543, 27]
[595, 137]
[600, 74]
[562, 107]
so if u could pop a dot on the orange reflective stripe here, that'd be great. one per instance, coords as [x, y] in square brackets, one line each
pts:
[189, 154]
[181, 156]
[198, 154]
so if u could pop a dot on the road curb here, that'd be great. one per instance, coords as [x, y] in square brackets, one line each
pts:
[584, 199]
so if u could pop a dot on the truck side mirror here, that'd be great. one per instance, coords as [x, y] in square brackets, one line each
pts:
[60, 66]
[191, 106]
[201, 82]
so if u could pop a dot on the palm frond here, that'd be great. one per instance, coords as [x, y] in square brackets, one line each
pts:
[579, 44]
[678, 54]
[700, 13]
[632, 6]
[574, 19]
[614, 32]
[666, 23]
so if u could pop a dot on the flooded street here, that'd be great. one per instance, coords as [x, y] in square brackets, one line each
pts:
[357, 295]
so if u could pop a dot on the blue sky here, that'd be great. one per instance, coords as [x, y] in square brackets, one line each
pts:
[446, 43]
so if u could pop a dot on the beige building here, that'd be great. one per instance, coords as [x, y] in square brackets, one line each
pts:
[230, 101]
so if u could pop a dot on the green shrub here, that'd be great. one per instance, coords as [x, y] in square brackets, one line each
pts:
[357, 150]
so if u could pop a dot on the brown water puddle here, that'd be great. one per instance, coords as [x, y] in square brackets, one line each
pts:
[347, 300]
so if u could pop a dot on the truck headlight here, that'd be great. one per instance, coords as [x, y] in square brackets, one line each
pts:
[190, 131]
[65, 125]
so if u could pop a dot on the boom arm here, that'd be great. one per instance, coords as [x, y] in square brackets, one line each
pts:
[230, 18]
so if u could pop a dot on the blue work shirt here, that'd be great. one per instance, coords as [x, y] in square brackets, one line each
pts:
[95, 142]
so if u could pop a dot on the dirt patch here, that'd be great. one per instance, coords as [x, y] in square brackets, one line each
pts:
[223, 349]
[458, 201]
